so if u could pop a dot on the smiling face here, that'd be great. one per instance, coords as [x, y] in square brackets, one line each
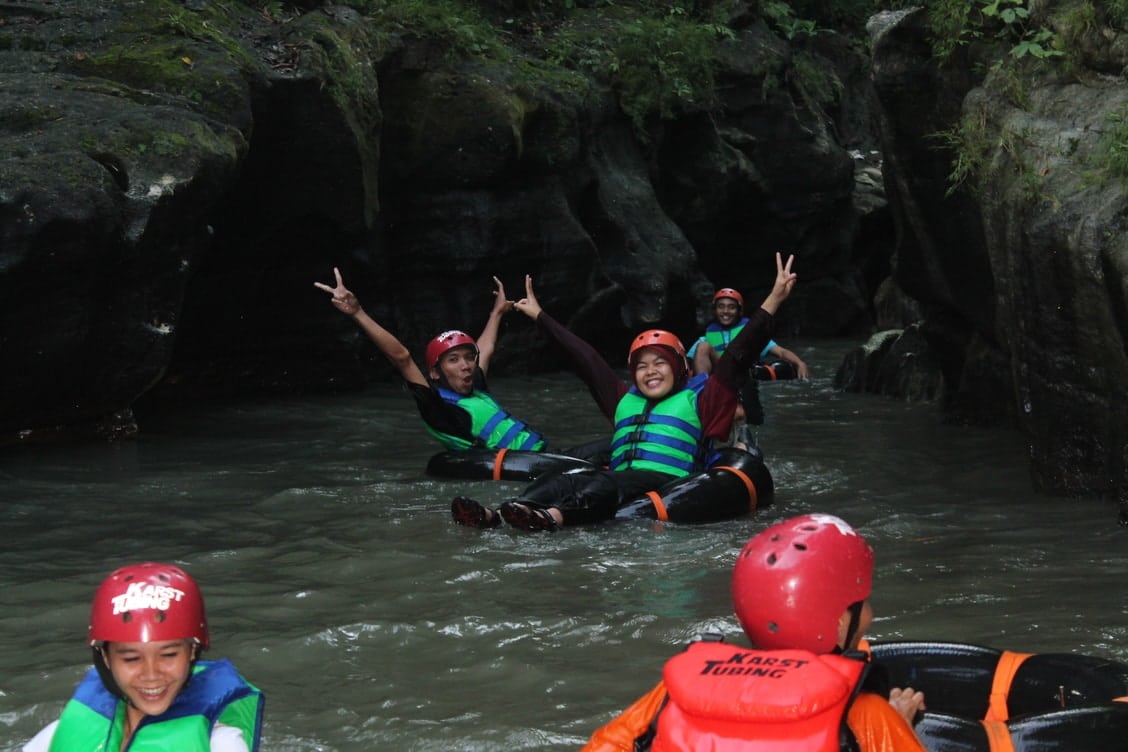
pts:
[727, 311]
[456, 367]
[654, 372]
[150, 674]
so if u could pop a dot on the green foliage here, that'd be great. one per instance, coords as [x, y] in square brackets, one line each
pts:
[782, 16]
[972, 145]
[846, 16]
[658, 64]
[458, 26]
[1111, 155]
[662, 65]
[1117, 12]
[959, 22]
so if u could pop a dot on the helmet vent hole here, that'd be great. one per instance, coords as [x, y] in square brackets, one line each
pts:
[159, 616]
[772, 559]
[773, 627]
[127, 617]
[801, 546]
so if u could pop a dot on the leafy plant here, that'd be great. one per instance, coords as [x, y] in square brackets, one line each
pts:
[660, 66]
[459, 26]
[958, 22]
[1112, 152]
[971, 148]
[782, 17]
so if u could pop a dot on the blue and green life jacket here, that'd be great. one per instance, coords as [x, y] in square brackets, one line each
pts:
[664, 436]
[491, 425]
[719, 337]
[93, 720]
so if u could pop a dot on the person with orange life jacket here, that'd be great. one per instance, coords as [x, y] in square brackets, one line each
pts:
[801, 592]
[148, 689]
[453, 397]
[665, 420]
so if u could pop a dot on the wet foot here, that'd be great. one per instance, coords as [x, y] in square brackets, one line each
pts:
[527, 518]
[466, 511]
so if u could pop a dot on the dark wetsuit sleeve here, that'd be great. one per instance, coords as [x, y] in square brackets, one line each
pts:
[442, 416]
[605, 387]
[717, 401]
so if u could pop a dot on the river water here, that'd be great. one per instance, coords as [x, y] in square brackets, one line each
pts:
[336, 581]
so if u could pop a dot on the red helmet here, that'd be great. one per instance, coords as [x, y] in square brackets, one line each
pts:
[793, 581]
[147, 603]
[656, 337]
[448, 340]
[728, 292]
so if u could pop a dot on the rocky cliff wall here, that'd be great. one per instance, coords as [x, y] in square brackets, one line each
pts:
[175, 175]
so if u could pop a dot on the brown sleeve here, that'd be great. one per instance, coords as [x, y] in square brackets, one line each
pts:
[605, 387]
[619, 734]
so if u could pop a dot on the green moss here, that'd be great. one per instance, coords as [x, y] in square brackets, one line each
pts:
[1110, 158]
[460, 29]
[348, 68]
[163, 67]
[817, 81]
[211, 30]
[31, 118]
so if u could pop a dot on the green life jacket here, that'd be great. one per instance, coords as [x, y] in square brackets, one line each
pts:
[491, 425]
[718, 337]
[664, 436]
[94, 719]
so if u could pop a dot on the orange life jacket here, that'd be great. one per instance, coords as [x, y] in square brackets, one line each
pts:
[722, 697]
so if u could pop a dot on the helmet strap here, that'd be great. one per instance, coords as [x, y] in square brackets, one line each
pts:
[105, 674]
[855, 610]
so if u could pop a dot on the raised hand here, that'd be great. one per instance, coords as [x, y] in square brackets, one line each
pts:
[785, 278]
[528, 305]
[501, 303]
[784, 282]
[343, 298]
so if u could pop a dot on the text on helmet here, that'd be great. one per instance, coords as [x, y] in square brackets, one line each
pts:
[140, 595]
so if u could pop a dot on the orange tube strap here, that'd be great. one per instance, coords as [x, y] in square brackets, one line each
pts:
[1005, 670]
[659, 505]
[499, 459]
[753, 498]
[770, 370]
[998, 736]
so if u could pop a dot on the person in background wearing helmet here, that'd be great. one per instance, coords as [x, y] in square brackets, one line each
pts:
[148, 689]
[452, 398]
[801, 592]
[728, 321]
[728, 310]
[665, 421]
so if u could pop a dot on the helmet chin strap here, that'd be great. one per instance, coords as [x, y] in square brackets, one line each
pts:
[855, 610]
[105, 674]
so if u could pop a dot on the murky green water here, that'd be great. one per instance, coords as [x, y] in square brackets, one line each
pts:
[336, 581]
